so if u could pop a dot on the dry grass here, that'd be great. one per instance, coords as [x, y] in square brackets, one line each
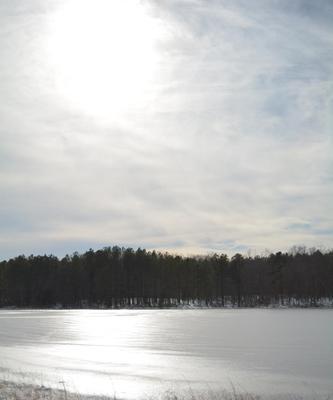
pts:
[21, 391]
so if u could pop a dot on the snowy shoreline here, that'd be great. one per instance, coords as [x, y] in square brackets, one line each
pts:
[24, 391]
[324, 304]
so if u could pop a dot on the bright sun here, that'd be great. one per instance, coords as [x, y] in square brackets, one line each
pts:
[103, 53]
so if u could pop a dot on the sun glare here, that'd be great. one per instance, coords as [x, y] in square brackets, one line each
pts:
[103, 54]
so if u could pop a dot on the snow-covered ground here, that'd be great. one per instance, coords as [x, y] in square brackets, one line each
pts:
[21, 391]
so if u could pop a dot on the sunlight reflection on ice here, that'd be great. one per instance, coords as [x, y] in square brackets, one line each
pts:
[137, 353]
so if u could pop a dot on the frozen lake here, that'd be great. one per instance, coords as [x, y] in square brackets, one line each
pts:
[134, 353]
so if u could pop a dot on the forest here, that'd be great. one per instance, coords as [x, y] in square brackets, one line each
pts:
[116, 277]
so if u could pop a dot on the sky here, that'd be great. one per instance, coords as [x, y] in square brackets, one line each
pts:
[191, 126]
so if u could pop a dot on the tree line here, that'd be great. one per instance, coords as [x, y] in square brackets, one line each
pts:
[117, 277]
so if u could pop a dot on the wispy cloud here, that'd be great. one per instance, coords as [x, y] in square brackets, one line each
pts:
[231, 149]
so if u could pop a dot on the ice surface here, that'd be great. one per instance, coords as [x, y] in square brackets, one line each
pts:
[136, 354]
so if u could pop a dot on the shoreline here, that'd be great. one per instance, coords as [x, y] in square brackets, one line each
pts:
[10, 390]
[177, 307]
[25, 391]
